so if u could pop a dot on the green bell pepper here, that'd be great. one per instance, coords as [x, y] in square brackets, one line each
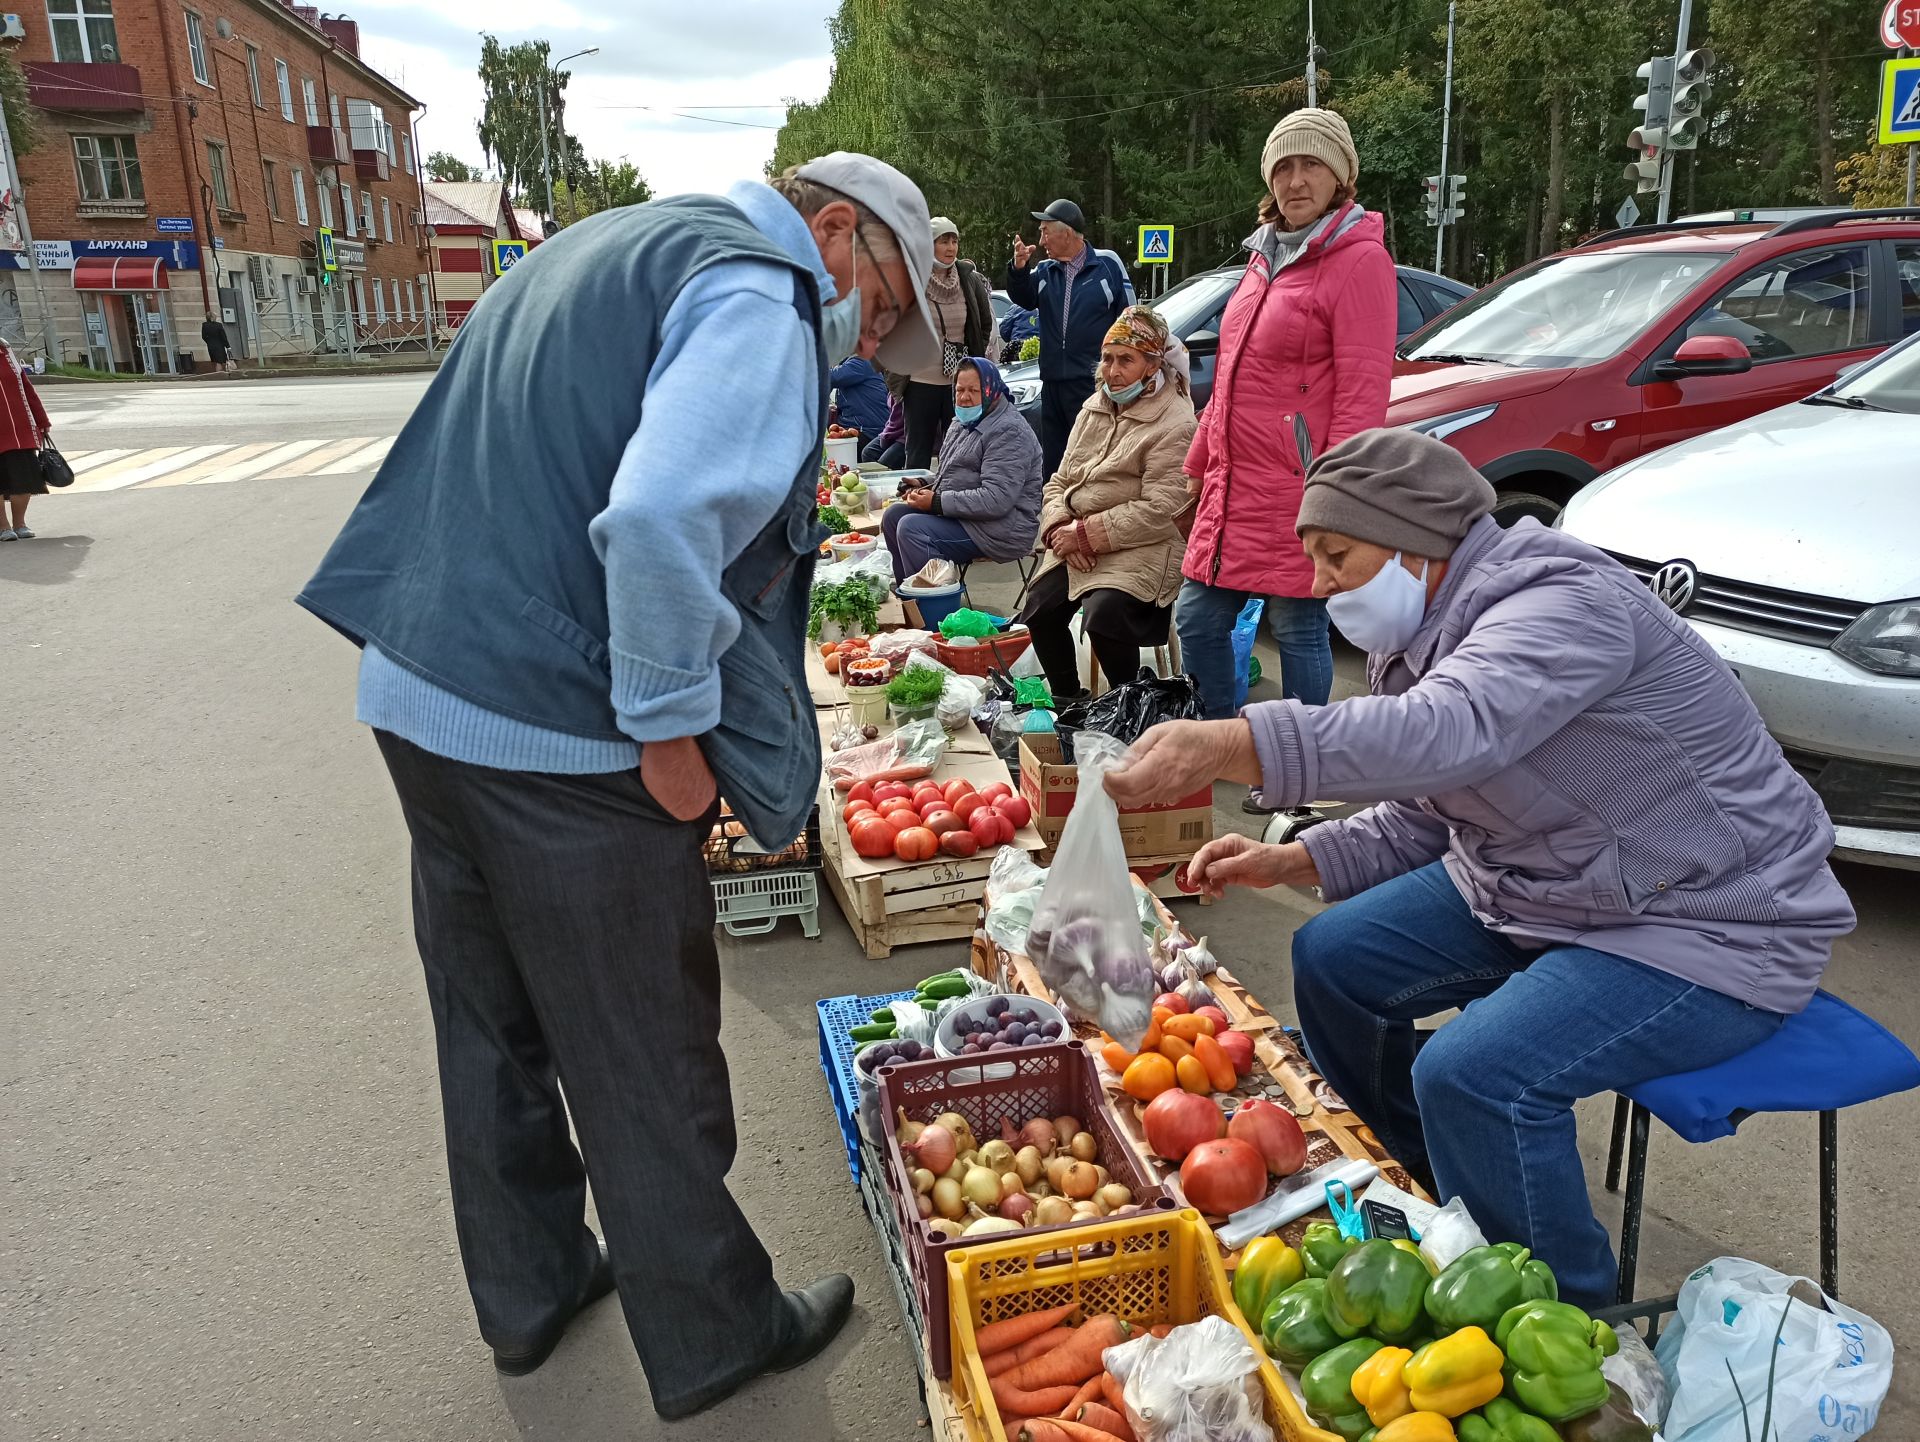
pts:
[1478, 1287]
[1267, 1268]
[1554, 1352]
[1322, 1248]
[1295, 1326]
[1501, 1421]
[1327, 1384]
[1377, 1288]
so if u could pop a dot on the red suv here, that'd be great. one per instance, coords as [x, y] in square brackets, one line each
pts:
[1640, 338]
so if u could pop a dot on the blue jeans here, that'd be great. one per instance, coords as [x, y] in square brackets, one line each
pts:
[917, 537]
[1204, 618]
[1487, 1103]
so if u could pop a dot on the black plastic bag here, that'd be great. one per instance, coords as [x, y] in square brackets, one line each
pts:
[1130, 709]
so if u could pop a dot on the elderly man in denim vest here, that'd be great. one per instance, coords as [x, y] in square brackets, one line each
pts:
[580, 582]
[1585, 837]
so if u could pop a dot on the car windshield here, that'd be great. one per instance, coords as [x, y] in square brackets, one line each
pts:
[1892, 385]
[1571, 310]
[1194, 300]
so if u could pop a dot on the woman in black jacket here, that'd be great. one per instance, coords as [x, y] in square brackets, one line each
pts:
[962, 304]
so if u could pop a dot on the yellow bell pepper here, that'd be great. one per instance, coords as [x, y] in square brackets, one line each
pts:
[1455, 1374]
[1404, 1245]
[1417, 1427]
[1377, 1385]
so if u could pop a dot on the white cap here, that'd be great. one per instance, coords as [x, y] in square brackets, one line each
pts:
[943, 226]
[914, 343]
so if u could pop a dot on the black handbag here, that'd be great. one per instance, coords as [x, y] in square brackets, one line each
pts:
[54, 469]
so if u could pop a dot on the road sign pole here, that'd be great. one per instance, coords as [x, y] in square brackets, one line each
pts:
[1667, 153]
[1446, 129]
[48, 336]
[1313, 65]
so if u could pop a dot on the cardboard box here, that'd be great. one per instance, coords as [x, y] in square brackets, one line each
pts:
[1151, 833]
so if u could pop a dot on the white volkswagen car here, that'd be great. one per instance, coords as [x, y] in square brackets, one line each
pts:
[1791, 542]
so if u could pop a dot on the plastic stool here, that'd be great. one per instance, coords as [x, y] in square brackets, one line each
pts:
[1827, 1057]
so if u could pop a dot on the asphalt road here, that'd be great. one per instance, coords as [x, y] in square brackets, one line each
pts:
[225, 1211]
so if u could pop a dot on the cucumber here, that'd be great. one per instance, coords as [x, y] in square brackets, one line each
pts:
[944, 988]
[883, 1016]
[871, 1031]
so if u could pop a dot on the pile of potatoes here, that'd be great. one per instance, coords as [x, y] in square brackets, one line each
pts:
[1040, 1174]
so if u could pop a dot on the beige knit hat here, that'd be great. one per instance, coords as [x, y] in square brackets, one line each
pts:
[1319, 133]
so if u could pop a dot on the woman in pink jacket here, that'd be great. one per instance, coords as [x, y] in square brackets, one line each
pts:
[1306, 350]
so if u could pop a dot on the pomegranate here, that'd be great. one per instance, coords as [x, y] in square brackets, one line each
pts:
[1223, 1177]
[1177, 1121]
[1272, 1132]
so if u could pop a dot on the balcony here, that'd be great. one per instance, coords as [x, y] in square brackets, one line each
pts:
[327, 145]
[112, 209]
[70, 85]
[371, 165]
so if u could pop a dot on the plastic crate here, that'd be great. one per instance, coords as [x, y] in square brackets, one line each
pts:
[1046, 1081]
[835, 1015]
[1001, 650]
[879, 1206]
[752, 905]
[731, 852]
[1148, 1269]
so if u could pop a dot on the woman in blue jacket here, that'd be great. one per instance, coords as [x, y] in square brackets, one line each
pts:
[861, 396]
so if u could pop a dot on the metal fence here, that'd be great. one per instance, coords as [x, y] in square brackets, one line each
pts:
[328, 325]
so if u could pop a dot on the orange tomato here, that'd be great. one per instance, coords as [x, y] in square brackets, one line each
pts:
[1219, 1065]
[1188, 1028]
[1151, 1041]
[916, 843]
[1193, 1076]
[1162, 1015]
[1147, 1076]
[1113, 1054]
[1174, 1048]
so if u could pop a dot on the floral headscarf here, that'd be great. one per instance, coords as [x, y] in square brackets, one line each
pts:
[993, 389]
[1141, 328]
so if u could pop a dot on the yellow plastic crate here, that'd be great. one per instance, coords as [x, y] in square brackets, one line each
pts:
[1152, 1268]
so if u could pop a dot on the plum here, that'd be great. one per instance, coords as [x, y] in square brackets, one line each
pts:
[997, 1005]
[972, 1048]
[1000, 1046]
[1052, 1028]
[1033, 1038]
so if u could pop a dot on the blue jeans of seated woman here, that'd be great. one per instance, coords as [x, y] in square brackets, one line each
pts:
[916, 537]
[1204, 618]
[1487, 1102]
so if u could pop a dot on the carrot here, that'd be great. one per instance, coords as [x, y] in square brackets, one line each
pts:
[1110, 1388]
[1017, 1356]
[1021, 1403]
[1089, 1392]
[1041, 1429]
[1093, 1414]
[1012, 1331]
[1081, 1432]
[1075, 1360]
[1161, 1330]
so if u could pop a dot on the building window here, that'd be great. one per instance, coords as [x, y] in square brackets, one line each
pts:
[197, 49]
[325, 197]
[346, 209]
[253, 74]
[379, 304]
[312, 99]
[366, 212]
[420, 297]
[83, 31]
[333, 108]
[386, 219]
[109, 167]
[300, 197]
[406, 153]
[217, 176]
[268, 177]
[285, 82]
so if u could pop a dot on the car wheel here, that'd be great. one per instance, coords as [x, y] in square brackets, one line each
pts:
[1511, 506]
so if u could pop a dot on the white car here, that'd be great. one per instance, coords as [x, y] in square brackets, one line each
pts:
[1791, 542]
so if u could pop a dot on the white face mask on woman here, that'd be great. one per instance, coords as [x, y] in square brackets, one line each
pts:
[1381, 616]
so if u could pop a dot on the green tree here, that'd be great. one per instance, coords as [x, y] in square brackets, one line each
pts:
[513, 79]
[441, 165]
[599, 185]
[22, 119]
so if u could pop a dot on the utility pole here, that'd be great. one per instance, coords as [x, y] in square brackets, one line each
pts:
[1666, 159]
[48, 337]
[546, 156]
[1313, 63]
[1446, 122]
[1913, 151]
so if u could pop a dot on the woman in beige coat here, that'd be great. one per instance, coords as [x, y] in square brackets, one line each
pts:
[1112, 517]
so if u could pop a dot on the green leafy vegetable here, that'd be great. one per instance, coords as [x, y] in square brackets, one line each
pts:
[852, 605]
[834, 519]
[915, 687]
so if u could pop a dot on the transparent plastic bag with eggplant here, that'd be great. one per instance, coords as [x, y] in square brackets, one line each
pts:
[1086, 940]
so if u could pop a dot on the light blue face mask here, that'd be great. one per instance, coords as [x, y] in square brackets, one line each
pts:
[840, 322]
[967, 415]
[1125, 394]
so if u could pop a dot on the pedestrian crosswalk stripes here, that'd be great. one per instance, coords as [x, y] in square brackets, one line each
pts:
[123, 468]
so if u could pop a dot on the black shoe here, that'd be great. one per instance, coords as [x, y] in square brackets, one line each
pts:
[518, 1363]
[815, 1316]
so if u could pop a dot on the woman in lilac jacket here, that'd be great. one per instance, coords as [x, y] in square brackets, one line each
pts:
[1584, 836]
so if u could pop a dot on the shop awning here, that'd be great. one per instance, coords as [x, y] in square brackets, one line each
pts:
[95, 272]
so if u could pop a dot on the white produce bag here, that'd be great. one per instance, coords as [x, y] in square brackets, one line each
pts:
[1831, 1368]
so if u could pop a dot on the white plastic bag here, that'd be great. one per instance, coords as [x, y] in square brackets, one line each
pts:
[1200, 1383]
[1831, 1368]
[1086, 940]
[1450, 1235]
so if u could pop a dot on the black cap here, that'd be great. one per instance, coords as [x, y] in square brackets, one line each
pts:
[1066, 212]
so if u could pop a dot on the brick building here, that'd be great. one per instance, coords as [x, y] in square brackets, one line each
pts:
[213, 156]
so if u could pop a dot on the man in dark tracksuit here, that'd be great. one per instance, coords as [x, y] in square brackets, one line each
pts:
[1077, 293]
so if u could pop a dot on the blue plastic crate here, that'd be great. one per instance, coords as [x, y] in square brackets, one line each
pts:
[836, 1015]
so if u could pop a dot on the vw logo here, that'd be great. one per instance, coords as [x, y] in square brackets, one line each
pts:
[1674, 583]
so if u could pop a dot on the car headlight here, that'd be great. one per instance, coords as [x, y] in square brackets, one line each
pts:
[1440, 427]
[1024, 393]
[1885, 639]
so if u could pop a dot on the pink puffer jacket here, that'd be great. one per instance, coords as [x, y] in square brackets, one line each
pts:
[1317, 340]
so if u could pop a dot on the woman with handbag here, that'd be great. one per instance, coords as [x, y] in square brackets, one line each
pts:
[962, 302]
[23, 431]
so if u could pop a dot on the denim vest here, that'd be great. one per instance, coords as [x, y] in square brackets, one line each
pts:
[468, 560]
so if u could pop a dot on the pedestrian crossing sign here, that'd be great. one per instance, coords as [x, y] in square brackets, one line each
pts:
[1156, 245]
[506, 254]
[1900, 101]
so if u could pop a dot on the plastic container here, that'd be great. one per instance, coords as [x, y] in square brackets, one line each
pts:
[845, 451]
[1148, 1269]
[1047, 1081]
[867, 704]
[752, 905]
[990, 651]
[833, 1016]
[731, 852]
[843, 550]
[936, 603]
[885, 485]
[946, 1038]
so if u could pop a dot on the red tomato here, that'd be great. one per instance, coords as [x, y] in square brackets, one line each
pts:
[925, 792]
[997, 788]
[955, 789]
[965, 805]
[862, 791]
[960, 843]
[916, 843]
[855, 808]
[1223, 1177]
[872, 837]
[1015, 808]
[943, 821]
[990, 827]
[888, 789]
[895, 804]
[1172, 1001]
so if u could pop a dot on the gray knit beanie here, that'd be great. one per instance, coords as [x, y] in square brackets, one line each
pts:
[1395, 488]
[1319, 133]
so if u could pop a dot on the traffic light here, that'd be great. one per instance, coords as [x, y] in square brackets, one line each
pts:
[1430, 193]
[1650, 137]
[1456, 197]
[1686, 118]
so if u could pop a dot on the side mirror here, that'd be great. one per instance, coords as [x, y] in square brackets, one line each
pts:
[1203, 342]
[1706, 355]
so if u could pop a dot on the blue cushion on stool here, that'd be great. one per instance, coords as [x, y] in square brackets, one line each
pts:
[1827, 1057]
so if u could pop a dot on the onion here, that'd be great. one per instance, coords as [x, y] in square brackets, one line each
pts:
[961, 1131]
[1010, 1183]
[1057, 1170]
[942, 1227]
[1040, 1135]
[958, 1170]
[1113, 1195]
[1065, 1129]
[1016, 1207]
[1051, 1211]
[947, 1200]
[923, 1181]
[1102, 1173]
[923, 1204]
[1083, 1146]
[908, 1132]
[934, 1148]
[1027, 1162]
[997, 1157]
[1080, 1181]
[1007, 1133]
[985, 1226]
[1086, 1211]
[980, 1186]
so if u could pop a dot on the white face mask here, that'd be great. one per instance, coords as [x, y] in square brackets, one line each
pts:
[840, 322]
[1381, 616]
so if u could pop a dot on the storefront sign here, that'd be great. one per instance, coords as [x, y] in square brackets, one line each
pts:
[11, 243]
[61, 254]
[351, 254]
[173, 224]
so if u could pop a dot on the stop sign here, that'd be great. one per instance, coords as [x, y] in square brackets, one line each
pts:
[1900, 24]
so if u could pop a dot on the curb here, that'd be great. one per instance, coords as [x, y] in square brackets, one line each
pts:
[278, 373]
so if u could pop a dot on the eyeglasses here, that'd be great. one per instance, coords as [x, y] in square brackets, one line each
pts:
[880, 326]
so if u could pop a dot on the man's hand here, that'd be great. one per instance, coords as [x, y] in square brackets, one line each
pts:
[1022, 252]
[675, 774]
[1241, 861]
[920, 500]
[1177, 758]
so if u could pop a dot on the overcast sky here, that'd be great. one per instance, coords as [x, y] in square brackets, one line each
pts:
[655, 59]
